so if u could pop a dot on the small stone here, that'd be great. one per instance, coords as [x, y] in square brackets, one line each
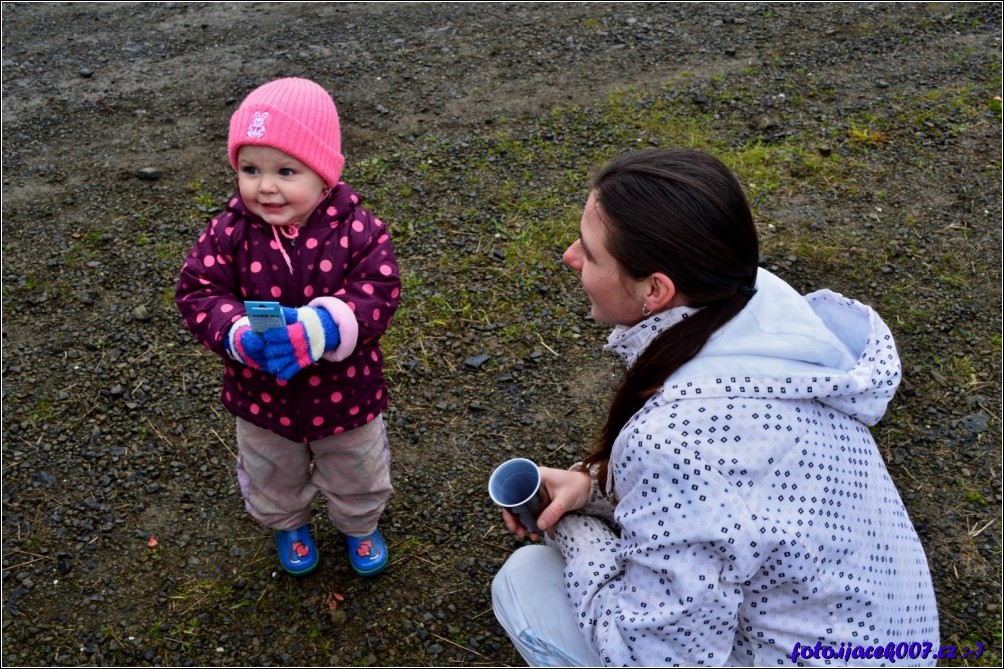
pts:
[976, 423]
[86, 72]
[475, 361]
[149, 173]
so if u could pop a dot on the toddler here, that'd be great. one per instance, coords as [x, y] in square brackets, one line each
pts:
[308, 397]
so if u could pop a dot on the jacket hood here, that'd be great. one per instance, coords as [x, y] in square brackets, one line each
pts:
[783, 345]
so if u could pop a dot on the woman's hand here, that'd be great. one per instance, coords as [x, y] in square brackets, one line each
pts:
[567, 490]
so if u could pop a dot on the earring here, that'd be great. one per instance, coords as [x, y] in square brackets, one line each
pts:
[645, 311]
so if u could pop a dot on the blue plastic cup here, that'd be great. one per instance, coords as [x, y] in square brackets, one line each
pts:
[515, 485]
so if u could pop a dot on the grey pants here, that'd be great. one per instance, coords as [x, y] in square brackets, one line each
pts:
[279, 478]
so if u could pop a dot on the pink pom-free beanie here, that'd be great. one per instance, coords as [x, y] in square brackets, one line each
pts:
[296, 116]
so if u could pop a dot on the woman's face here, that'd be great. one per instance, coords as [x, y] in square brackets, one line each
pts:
[616, 298]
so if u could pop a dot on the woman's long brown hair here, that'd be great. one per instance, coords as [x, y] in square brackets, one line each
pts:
[682, 213]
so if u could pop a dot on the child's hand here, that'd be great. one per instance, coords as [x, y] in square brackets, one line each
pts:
[302, 342]
[247, 346]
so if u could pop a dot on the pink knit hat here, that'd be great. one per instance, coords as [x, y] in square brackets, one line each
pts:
[295, 116]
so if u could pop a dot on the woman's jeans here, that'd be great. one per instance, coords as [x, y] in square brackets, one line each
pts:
[528, 595]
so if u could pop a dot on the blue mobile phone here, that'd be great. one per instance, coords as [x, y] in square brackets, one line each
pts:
[264, 315]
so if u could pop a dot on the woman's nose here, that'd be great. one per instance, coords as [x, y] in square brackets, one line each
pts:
[573, 256]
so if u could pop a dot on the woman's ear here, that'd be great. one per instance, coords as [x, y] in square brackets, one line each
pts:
[661, 293]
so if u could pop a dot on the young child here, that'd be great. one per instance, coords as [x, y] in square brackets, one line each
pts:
[308, 397]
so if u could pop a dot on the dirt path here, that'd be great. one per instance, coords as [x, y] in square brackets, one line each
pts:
[467, 124]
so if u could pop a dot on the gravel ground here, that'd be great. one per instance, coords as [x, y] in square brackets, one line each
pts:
[112, 431]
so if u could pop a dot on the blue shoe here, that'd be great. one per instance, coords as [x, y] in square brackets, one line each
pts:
[297, 552]
[368, 554]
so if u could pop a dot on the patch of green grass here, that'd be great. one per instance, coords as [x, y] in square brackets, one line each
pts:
[974, 497]
[866, 135]
[198, 595]
[508, 207]
[79, 253]
[41, 412]
[202, 197]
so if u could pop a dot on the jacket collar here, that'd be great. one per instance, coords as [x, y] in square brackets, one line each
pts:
[630, 341]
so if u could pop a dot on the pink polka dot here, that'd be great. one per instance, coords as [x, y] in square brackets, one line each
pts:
[353, 411]
[369, 417]
[227, 308]
[274, 245]
[379, 393]
[357, 226]
[394, 293]
[332, 211]
[374, 356]
[209, 261]
[382, 239]
[222, 259]
[312, 243]
[339, 429]
[246, 373]
[376, 314]
[366, 370]
[318, 421]
[266, 398]
[276, 291]
[386, 270]
[229, 396]
[315, 381]
[351, 372]
[233, 202]
[199, 317]
[325, 265]
[255, 267]
[368, 288]
[308, 291]
[354, 198]
[285, 421]
[344, 242]
[255, 409]
[229, 230]
[336, 397]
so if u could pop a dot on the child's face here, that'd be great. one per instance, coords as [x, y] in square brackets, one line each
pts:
[276, 186]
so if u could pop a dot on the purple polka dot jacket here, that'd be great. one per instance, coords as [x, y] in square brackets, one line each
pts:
[341, 259]
[752, 510]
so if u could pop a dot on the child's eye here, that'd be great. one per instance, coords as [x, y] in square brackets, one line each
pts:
[287, 172]
[248, 169]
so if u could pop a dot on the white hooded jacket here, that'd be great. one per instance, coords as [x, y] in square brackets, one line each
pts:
[754, 511]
